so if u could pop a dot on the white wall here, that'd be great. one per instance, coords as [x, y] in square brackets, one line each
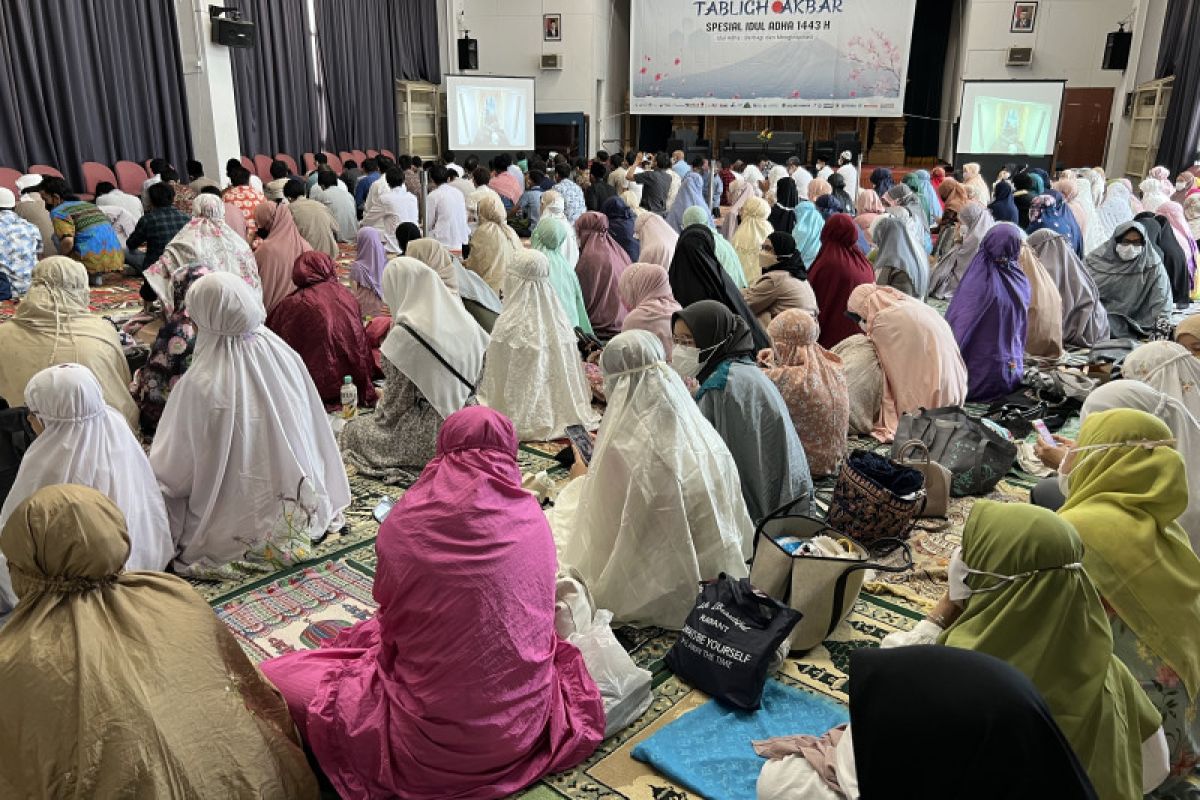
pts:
[1068, 42]
[1143, 58]
[208, 84]
[595, 46]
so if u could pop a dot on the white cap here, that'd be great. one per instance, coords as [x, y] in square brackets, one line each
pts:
[28, 181]
[7, 198]
[846, 156]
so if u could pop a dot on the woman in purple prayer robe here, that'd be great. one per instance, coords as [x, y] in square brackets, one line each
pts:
[989, 315]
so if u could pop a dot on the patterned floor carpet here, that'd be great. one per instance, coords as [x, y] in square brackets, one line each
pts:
[301, 606]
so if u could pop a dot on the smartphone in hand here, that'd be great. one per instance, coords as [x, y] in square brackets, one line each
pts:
[1044, 433]
[582, 441]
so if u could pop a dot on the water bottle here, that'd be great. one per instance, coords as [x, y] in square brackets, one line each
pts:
[349, 398]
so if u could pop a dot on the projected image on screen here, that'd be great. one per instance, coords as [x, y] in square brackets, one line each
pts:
[1010, 126]
[491, 119]
[1011, 118]
[489, 112]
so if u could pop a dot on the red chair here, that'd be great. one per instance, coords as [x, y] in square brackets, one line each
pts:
[310, 163]
[249, 165]
[130, 176]
[291, 162]
[334, 162]
[262, 165]
[43, 169]
[389, 154]
[8, 178]
[95, 172]
[346, 155]
[372, 153]
[359, 156]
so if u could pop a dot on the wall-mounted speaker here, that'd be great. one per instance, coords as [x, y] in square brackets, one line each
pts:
[1116, 50]
[468, 53]
[228, 27]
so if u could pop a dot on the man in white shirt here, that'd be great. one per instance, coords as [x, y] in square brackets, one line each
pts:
[333, 194]
[109, 195]
[800, 175]
[391, 207]
[446, 211]
[448, 161]
[823, 169]
[846, 170]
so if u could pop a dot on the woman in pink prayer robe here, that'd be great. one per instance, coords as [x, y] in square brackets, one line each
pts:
[459, 686]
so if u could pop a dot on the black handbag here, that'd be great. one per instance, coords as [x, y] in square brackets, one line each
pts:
[976, 456]
[729, 639]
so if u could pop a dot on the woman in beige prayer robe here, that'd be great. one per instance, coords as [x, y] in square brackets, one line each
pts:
[54, 326]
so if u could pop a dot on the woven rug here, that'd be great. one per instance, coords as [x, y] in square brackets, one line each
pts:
[300, 610]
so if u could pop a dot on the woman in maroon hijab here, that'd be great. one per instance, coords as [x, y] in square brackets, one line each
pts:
[837, 270]
[321, 322]
[601, 262]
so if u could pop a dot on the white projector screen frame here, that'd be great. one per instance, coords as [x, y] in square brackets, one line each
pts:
[511, 127]
[1010, 118]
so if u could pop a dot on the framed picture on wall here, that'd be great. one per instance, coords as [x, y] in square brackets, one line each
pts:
[552, 27]
[1024, 17]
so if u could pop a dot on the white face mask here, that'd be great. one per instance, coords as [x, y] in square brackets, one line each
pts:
[1128, 252]
[1180, 185]
[957, 586]
[767, 260]
[685, 359]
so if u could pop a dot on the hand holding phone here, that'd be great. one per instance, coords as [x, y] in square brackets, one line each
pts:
[1044, 433]
[582, 441]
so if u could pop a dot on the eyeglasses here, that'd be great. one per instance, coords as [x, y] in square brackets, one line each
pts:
[767, 247]
[684, 341]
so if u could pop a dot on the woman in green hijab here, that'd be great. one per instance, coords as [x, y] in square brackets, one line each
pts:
[548, 238]
[1028, 602]
[1126, 486]
[696, 215]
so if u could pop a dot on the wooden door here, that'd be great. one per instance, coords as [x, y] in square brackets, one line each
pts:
[1083, 127]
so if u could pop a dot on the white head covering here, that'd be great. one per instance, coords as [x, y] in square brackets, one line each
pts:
[555, 207]
[1184, 427]
[778, 171]
[661, 507]
[206, 240]
[420, 300]
[89, 443]
[1094, 233]
[534, 375]
[753, 175]
[1116, 208]
[28, 181]
[244, 452]
[1153, 195]
[1169, 367]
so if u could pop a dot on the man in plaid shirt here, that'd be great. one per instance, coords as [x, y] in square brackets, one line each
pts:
[20, 247]
[572, 195]
[156, 229]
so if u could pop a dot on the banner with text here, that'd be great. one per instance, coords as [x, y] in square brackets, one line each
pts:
[770, 57]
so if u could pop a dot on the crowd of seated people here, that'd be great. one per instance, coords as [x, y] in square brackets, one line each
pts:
[720, 353]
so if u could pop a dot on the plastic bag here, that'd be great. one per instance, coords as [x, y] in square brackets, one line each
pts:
[624, 686]
[573, 605]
